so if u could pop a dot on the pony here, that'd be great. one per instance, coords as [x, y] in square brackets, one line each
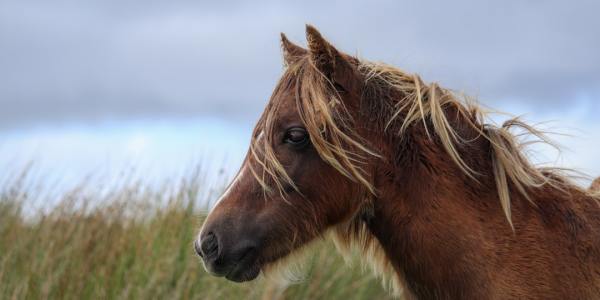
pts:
[441, 202]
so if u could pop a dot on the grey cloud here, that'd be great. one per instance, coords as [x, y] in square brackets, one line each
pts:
[101, 59]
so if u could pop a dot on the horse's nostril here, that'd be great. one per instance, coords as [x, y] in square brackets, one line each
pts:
[197, 248]
[209, 245]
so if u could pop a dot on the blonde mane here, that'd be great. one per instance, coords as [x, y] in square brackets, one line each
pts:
[333, 136]
[327, 122]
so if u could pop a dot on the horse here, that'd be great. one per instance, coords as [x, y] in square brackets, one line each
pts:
[440, 201]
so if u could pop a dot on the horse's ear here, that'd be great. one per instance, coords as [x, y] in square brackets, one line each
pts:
[291, 52]
[338, 67]
[322, 53]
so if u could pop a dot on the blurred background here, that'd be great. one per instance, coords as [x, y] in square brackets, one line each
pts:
[96, 87]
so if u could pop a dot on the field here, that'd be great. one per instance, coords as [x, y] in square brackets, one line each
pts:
[134, 242]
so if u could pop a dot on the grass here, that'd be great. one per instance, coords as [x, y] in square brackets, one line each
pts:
[134, 242]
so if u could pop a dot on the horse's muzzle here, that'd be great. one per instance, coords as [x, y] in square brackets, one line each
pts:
[236, 261]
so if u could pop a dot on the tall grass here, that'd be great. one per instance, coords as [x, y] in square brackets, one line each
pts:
[134, 242]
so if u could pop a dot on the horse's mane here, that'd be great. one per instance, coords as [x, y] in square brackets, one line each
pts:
[332, 133]
[595, 187]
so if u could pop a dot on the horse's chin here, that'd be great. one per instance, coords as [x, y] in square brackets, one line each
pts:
[243, 274]
[277, 264]
[247, 269]
[250, 267]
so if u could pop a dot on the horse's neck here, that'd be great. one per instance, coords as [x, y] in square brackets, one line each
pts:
[425, 218]
[447, 235]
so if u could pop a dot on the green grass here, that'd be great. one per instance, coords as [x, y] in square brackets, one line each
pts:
[138, 245]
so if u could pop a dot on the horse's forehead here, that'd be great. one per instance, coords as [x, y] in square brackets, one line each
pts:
[285, 101]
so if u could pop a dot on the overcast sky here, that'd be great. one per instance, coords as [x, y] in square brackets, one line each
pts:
[86, 60]
[89, 62]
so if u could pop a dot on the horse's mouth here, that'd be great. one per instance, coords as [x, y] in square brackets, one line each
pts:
[243, 273]
[250, 266]
[246, 269]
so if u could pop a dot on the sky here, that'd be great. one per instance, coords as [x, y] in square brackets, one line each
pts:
[98, 86]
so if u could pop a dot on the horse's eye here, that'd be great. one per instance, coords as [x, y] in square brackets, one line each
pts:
[296, 136]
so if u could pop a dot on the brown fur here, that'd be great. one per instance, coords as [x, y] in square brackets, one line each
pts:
[415, 178]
